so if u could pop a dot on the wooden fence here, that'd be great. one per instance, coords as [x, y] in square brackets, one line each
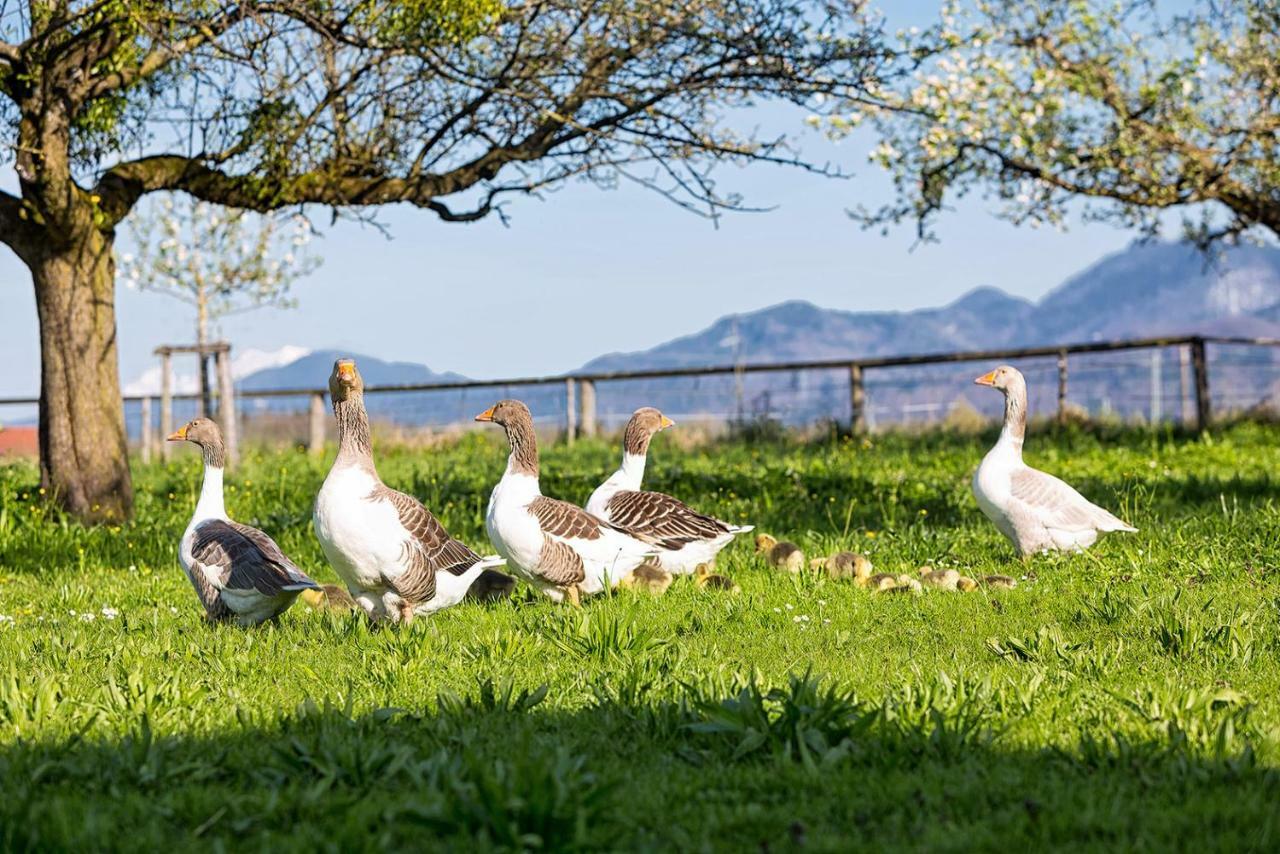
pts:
[580, 389]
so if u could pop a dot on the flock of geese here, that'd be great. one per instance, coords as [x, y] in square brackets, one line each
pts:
[397, 561]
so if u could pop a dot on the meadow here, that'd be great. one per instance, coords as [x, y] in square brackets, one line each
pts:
[1125, 698]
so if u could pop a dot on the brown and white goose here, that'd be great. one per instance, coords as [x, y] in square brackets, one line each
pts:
[238, 572]
[395, 557]
[683, 537]
[559, 548]
[1036, 511]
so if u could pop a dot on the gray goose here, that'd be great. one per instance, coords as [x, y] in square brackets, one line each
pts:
[559, 548]
[239, 573]
[684, 538]
[397, 560]
[1036, 511]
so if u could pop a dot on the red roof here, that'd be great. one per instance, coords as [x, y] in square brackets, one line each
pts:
[19, 441]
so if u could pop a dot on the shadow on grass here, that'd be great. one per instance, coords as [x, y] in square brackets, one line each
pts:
[734, 768]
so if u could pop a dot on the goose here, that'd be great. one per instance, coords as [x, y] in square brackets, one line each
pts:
[239, 573]
[559, 548]
[683, 537]
[1036, 511]
[397, 560]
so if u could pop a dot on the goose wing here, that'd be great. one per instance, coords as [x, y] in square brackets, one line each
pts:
[1056, 505]
[428, 549]
[243, 558]
[662, 520]
[565, 527]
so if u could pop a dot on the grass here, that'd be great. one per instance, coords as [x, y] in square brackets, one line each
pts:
[1128, 697]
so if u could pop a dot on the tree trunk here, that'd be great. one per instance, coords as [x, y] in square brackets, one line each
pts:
[84, 461]
[202, 338]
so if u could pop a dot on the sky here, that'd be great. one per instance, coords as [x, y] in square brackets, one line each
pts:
[585, 272]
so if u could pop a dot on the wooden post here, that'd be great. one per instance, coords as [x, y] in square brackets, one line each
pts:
[227, 405]
[1157, 392]
[1062, 387]
[587, 409]
[1200, 369]
[315, 443]
[1184, 384]
[166, 404]
[570, 411]
[145, 433]
[857, 400]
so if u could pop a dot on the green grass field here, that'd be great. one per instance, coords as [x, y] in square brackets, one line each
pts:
[1124, 698]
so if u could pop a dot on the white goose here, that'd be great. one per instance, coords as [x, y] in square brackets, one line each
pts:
[559, 548]
[238, 572]
[395, 557]
[1036, 511]
[683, 537]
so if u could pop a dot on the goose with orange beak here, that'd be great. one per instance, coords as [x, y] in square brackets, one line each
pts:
[684, 538]
[239, 573]
[1036, 511]
[396, 558]
[560, 549]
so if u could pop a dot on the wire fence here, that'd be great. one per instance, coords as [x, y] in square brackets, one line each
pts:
[1186, 379]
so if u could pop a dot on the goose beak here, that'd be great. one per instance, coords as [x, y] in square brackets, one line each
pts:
[665, 422]
[179, 435]
[988, 378]
[487, 415]
[346, 371]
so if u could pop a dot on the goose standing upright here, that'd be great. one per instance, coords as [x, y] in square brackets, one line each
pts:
[239, 573]
[559, 548]
[684, 538]
[1036, 511]
[395, 557]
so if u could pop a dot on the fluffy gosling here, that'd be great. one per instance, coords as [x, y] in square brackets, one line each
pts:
[647, 578]
[780, 554]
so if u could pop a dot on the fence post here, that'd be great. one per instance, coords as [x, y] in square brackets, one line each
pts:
[857, 400]
[570, 411]
[166, 405]
[315, 439]
[587, 409]
[227, 405]
[1157, 391]
[146, 439]
[1062, 387]
[1184, 383]
[1200, 368]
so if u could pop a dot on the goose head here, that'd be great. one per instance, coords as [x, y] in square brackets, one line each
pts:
[204, 433]
[345, 381]
[644, 424]
[1006, 378]
[511, 414]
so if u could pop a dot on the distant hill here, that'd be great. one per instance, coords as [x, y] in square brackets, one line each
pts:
[1145, 290]
[313, 369]
[1148, 289]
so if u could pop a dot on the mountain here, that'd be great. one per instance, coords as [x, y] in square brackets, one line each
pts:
[313, 369]
[244, 363]
[1148, 289]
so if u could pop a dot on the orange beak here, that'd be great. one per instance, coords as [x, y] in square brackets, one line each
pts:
[346, 371]
[664, 422]
[487, 415]
[989, 378]
[179, 435]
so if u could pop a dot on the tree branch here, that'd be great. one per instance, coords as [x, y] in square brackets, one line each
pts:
[16, 231]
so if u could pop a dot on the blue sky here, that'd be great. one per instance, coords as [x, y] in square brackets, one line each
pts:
[589, 271]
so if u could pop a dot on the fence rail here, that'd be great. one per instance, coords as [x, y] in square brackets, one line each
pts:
[580, 392]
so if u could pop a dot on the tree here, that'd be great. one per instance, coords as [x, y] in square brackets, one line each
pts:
[220, 261]
[449, 105]
[1134, 111]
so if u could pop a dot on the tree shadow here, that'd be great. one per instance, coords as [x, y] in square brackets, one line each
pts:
[498, 771]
